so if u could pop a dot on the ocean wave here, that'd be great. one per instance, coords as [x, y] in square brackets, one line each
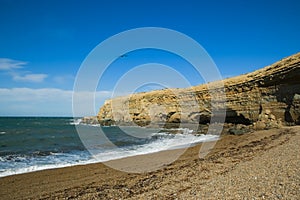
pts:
[162, 141]
[155, 142]
[75, 121]
[79, 122]
[2, 132]
[11, 165]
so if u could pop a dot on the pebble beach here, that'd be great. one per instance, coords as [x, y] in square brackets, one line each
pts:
[259, 165]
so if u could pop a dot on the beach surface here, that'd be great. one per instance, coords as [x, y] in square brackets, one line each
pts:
[258, 165]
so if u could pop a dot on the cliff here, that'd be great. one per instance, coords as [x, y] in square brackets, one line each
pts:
[264, 97]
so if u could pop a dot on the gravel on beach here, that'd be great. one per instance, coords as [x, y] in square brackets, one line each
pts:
[258, 165]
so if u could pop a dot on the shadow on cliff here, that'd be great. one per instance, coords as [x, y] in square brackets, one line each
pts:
[288, 92]
[235, 118]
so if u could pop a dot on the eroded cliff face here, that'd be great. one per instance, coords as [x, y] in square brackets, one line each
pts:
[265, 96]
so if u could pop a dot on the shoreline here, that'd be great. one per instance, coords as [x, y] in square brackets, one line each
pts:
[184, 178]
[92, 160]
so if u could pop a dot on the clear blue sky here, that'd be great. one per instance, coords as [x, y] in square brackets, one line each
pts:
[42, 43]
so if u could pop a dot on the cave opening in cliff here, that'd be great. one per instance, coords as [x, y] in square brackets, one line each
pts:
[236, 118]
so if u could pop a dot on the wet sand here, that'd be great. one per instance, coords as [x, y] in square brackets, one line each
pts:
[259, 165]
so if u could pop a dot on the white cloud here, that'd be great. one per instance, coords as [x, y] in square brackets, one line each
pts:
[45, 102]
[14, 68]
[9, 64]
[36, 78]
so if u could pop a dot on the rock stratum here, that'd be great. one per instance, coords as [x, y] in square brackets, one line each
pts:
[264, 98]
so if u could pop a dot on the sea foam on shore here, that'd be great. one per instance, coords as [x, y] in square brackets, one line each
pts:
[46, 143]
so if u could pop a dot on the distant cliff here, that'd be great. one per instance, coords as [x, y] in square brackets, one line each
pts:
[263, 97]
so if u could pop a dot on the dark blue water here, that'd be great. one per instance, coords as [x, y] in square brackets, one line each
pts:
[34, 143]
[41, 136]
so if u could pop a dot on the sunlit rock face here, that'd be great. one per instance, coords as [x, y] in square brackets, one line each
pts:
[274, 90]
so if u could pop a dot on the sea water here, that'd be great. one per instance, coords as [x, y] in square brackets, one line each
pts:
[35, 143]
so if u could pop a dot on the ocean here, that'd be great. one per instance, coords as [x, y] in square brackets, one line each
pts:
[35, 143]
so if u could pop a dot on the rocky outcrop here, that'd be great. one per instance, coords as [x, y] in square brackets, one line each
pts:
[89, 120]
[264, 97]
[266, 120]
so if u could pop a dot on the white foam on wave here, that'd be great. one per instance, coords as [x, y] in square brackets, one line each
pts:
[79, 122]
[2, 132]
[164, 141]
[54, 160]
[162, 144]
[75, 121]
[9, 172]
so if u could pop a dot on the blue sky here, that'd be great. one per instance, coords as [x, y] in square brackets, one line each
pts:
[43, 43]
